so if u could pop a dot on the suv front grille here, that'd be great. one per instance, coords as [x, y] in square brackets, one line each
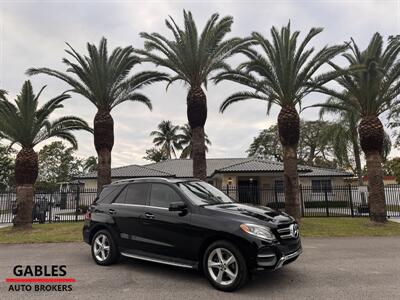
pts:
[285, 232]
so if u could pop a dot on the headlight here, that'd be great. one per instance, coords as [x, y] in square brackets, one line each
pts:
[261, 232]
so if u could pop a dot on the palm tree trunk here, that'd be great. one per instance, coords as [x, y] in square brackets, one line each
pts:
[104, 142]
[199, 154]
[376, 196]
[26, 172]
[197, 116]
[290, 179]
[289, 134]
[371, 139]
[357, 159]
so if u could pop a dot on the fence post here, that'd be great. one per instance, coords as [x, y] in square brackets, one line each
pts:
[351, 201]
[301, 201]
[78, 191]
[51, 205]
[326, 201]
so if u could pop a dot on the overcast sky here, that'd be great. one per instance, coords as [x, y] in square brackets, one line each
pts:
[33, 34]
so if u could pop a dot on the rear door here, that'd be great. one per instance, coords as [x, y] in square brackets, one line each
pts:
[127, 209]
[166, 232]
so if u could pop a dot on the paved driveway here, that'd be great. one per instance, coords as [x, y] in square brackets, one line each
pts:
[336, 268]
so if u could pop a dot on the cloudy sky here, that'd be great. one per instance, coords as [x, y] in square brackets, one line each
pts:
[33, 34]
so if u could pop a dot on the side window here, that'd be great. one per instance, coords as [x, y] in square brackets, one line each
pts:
[109, 193]
[136, 193]
[162, 195]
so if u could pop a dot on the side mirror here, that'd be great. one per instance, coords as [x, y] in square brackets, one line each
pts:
[177, 206]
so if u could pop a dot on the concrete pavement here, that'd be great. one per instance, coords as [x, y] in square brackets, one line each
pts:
[330, 268]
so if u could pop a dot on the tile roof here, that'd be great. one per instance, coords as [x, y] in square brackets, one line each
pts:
[183, 168]
[130, 172]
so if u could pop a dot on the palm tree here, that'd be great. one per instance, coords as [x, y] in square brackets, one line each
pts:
[282, 74]
[193, 58]
[90, 164]
[343, 135]
[168, 138]
[186, 141]
[104, 80]
[371, 85]
[27, 125]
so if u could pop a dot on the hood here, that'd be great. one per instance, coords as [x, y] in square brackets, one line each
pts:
[252, 213]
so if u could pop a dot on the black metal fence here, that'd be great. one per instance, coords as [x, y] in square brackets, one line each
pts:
[60, 206]
[331, 201]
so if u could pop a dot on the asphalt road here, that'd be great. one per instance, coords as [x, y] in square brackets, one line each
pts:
[335, 268]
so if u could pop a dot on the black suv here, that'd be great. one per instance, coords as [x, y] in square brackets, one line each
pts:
[190, 224]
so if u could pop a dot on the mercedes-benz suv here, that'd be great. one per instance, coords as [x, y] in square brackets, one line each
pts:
[189, 224]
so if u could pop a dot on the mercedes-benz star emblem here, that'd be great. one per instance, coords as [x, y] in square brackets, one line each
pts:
[294, 230]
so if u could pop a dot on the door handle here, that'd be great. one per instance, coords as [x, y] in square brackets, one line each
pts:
[148, 216]
[112, 211]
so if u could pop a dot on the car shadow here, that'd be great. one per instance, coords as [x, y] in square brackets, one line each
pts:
[286, 277]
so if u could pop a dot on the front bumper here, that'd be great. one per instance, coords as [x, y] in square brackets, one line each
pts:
[273, 258]
[288, 258]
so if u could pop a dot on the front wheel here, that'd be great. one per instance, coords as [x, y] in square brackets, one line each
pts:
[225, 266]
[104, 249]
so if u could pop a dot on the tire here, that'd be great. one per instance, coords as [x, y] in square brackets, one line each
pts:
[104, 249]
[229, 275]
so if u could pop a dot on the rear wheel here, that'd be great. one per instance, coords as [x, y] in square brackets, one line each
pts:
[225, 266]
[104, 249]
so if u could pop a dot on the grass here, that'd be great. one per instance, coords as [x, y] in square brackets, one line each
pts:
[345, 227]
[310, 227]
[43, 233]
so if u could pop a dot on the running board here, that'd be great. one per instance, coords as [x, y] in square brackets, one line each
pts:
[158, 260]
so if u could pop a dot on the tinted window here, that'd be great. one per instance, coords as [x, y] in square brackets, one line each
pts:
[109, 193]
[121, 197]
[162, 195]
[136, 193]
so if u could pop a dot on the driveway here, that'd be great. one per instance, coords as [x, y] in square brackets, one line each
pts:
[335, 268]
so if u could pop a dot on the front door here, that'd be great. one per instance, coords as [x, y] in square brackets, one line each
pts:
[165, 232]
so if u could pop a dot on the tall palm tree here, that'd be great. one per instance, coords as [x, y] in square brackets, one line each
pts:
[282, 74]
[193, 58]
[104, 80]
[343, 135]
[371, 85]
[27, 125]
[167, 137]
[186, 141]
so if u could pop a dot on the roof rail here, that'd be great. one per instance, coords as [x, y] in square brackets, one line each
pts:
[136, 179]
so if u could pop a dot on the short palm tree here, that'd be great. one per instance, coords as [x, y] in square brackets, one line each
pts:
[193, 58]
[371, 85]
[104, 80]
[27, 125]
[167, 137]
[186, 141]
[282, 74]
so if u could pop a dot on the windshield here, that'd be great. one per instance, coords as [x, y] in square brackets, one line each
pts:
[202, 193]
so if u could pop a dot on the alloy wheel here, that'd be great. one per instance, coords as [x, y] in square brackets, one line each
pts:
[222, 266]
[101, 247]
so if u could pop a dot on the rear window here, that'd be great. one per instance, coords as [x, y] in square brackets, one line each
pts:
[109, 193]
